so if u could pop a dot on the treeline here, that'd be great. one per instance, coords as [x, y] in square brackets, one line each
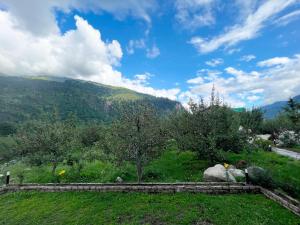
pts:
[139, 135]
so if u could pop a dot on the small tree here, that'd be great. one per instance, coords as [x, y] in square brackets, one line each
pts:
[293, 112]
[139, 136]
[46, 142]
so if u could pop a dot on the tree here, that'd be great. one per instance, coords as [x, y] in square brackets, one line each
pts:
[293, 112]
[139, 135]
[46, 142]
[208, 129]
[252, 120]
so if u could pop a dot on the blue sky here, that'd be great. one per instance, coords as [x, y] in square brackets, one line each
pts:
[249, 50]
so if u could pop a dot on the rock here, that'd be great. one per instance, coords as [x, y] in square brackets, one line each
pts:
[119, 180]
[218, 173]
[237, 173]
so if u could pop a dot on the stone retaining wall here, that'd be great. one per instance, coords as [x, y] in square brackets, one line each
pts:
[287, 202]
[213, 188]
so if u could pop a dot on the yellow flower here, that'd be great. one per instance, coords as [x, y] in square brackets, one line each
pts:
[226, 165]
[62, 172]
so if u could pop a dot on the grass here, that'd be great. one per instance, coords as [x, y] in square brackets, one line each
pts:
[171, 166]
[284, 170]
[138, 208]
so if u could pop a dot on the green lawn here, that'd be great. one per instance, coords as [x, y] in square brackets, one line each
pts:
[171, 166]
[137, 208]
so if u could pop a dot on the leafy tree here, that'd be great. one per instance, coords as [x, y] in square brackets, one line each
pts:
[138, 135]
[252, 120]
[8, 147]
[208, 129]
[293, 112]
[46, 142]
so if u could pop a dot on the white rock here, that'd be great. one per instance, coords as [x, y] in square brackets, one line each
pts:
[218, 173]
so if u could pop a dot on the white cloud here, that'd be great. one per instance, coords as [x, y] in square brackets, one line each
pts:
[135, 44]
[37, 16]
[197, 80]
[247, 58]
[193, 14]
[253, 98]
[214, 62]
[248, 29]
[241, 88]
[80, 53]
[286, 19]
[153, 52]
[274, 61]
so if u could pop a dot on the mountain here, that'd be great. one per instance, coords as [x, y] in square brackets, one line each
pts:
[31, 97]
[272, 110]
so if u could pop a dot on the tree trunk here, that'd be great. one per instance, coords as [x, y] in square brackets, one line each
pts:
[139, 170]
[139, 166]
[54, 165]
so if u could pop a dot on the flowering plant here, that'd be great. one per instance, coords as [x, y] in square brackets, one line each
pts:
[62, 172]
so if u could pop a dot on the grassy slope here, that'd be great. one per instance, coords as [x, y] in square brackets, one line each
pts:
[284, 170]
[137, 208]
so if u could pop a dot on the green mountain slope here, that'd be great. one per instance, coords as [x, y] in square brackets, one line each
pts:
[30, 98]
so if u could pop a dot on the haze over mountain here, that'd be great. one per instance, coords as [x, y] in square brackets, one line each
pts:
[272, 110]
[30, 98]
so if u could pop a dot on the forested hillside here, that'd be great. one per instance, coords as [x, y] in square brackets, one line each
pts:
[31, 98]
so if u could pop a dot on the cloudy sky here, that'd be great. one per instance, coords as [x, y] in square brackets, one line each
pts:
[249, 50]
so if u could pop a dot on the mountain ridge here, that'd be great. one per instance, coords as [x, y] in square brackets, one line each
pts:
[25, 98]
[274, 109]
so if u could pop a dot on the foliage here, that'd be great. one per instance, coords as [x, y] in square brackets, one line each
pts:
[8, 147]
[24, 99]
[208, 129]
[140, 208]
[261, 177]
[138, 136]
[289, 139]
[284, 171]
[276, 125]
[293, 112]
[47, 142]
[252, 120]
[263, 144]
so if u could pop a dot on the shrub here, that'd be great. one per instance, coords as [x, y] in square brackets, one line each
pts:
[262, 144]
[260, 176]
[289, 138]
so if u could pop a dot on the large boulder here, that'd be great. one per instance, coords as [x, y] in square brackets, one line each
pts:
[218, 173]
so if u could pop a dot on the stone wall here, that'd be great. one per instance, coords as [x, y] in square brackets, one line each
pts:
[286, 201]
[212, 188]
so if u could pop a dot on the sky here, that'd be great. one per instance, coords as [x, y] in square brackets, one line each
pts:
[178, 49]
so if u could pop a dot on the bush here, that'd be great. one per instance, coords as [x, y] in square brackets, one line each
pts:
[289, 139]
[263, 144]
[261, 177]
